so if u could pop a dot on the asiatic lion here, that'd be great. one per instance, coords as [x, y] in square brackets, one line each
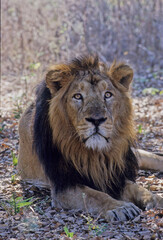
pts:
[78, 137]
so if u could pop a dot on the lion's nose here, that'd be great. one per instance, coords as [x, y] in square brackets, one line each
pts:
[96, 121]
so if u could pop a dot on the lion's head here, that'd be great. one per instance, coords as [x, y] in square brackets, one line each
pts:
[90, 115]
[93, 101]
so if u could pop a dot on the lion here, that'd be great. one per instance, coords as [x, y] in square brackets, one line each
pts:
[78, 138]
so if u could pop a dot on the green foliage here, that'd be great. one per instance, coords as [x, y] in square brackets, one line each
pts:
[35, 66]
[16, 203]
[100, 230]
[68, 234]
[14, 159]
[151, 91]
[140, 129]
[15, 162]
[90, 222]
[13, 178]
[155, 75]
[94, 228]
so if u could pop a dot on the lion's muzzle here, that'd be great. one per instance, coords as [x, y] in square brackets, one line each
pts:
[96, 121]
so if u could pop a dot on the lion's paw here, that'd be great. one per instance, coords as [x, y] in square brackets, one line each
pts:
[154, 201]
[126, 212]
[159, 202]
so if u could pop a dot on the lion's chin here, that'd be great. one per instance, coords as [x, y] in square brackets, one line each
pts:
[96, 142]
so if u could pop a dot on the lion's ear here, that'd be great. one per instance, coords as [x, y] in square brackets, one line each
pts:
[57, 76]
[121, 74]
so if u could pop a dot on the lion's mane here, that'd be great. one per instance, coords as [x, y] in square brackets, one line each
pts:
[66, 160]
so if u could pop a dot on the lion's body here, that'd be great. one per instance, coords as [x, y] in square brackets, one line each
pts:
[78, 135]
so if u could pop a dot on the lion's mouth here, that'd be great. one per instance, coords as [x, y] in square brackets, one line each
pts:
[95, 134]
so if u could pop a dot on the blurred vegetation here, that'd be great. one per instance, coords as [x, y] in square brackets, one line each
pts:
[36, 34]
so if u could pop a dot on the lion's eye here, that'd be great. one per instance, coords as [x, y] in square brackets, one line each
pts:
[108, 95]
[78, 96]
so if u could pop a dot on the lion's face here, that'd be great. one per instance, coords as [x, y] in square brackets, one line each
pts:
[90, 106]
[93, 101]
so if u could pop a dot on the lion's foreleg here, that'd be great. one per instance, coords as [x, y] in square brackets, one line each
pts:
[148, 160]
[141, 197]
[87, 199]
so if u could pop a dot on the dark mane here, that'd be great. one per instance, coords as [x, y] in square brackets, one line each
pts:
[61, 172]
[86, 62]
[65, 175]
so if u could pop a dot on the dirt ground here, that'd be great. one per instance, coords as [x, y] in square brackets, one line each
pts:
[40, 221]
[34, 35]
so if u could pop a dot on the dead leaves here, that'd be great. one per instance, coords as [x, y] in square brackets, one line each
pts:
[40, 221]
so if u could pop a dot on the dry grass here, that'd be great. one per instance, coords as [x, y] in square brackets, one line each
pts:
[36, 34]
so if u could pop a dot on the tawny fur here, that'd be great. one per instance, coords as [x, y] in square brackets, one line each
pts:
[69, 125]
[90, 162]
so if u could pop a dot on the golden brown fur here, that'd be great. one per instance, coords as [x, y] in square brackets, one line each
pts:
[87, 161]
[82, 130]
